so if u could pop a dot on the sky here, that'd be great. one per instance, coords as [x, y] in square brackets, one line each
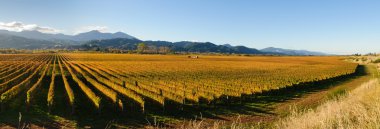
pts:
[331, 26]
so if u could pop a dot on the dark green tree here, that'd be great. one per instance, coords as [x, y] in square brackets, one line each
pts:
[141, 48]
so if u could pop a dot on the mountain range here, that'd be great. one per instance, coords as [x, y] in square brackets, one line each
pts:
[290, 51]
[91, 35]
[183, 46]
[96, 40]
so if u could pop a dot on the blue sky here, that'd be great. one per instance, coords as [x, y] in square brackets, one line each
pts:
[333, 26]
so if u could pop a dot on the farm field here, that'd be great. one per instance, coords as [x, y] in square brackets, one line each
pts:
[66, 87]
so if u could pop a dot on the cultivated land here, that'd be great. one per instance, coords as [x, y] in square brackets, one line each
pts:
[358, 109]
[268, 109]
[124, 90]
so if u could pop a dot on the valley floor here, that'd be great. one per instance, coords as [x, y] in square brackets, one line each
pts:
[262, 110]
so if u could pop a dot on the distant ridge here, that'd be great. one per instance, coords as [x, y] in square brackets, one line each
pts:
[183, 46]
[96, 40]
[11, 41]
[96, 35]
[188, 46]
[86, 36]
[290, 51]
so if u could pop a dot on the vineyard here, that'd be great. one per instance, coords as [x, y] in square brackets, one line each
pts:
[134, 82]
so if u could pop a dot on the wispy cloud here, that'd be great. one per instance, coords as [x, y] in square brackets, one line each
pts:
[19, 26]
[90, 28]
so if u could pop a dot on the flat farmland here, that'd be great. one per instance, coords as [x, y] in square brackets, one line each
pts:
[69, 86]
